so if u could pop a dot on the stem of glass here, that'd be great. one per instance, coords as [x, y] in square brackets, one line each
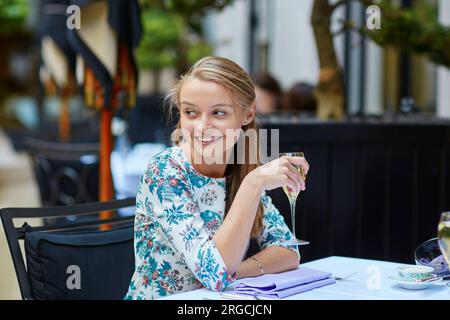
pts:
[292, 203]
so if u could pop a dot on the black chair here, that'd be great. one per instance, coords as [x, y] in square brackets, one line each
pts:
[84, 128]
[72, 260]
[66, 173]
[146, 122]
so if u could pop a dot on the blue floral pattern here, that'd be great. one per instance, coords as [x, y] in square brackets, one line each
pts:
[178, 211]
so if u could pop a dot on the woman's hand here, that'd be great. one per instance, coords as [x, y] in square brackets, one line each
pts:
[232, 237]
[280, 172]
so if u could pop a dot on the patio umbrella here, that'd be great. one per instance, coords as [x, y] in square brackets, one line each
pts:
[106, 68]
[57, 71]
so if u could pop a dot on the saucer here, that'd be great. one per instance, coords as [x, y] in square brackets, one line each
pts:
[413, 285]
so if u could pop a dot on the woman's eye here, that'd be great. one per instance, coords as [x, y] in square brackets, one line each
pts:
[219, 113]
[189, 113]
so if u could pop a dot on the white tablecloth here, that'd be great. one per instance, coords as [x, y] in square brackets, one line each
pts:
[370, 283]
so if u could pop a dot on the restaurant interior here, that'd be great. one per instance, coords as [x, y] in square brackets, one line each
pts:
[362, 88]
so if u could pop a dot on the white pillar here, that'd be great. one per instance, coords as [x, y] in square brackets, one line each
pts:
[443, 74]
[228, 31]
[293, 54]
[263, 35]
[354, 81]
[373, 89]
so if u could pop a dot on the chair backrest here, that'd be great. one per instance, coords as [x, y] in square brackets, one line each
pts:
[66, 173]
[72, 260]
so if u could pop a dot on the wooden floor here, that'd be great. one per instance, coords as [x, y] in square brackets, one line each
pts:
[17, 189]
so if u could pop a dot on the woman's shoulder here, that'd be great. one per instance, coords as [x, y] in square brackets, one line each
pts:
[168, 161]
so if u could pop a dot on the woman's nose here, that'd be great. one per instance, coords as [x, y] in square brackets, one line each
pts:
[203, 124]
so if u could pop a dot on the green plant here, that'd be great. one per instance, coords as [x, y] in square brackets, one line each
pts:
[13, 36]
[179, 34]
[198, 50]
[13, 14]
[162, 33]
[414, 29]
[193, 10]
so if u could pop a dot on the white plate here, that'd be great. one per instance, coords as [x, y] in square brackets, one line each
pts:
[413, 285]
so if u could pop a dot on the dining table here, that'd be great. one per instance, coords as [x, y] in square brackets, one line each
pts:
[356, 279]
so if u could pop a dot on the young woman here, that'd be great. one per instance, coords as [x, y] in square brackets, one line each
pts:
[194, 218]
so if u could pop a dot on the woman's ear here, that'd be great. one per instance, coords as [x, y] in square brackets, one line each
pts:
[250, 114]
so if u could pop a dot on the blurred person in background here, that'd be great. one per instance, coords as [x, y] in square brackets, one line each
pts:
[268, 94]
[300, 97]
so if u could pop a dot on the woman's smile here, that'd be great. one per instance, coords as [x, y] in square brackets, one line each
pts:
[205, 141]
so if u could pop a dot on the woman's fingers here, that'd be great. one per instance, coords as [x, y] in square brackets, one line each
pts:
[291, 184]
[287, 169]
[296, 177]
[300, 161]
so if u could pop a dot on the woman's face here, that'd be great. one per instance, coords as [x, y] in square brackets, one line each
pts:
[207, 113]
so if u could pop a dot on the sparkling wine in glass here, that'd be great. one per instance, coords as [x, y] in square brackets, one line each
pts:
[292, 197]
[444, 235]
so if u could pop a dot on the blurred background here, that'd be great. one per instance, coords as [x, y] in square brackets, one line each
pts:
[363, 91]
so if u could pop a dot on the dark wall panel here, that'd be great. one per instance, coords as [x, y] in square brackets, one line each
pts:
[375, 189]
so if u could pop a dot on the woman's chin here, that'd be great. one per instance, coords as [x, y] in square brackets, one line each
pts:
[212, 153]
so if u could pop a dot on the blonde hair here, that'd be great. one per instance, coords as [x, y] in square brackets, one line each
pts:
[232, 77]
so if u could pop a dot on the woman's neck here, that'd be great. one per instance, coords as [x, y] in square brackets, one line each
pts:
[211, 170]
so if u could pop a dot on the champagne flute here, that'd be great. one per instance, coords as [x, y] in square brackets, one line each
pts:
[292, 196]
[444, 235]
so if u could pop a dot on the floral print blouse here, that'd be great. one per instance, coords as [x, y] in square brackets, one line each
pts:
[178, 211]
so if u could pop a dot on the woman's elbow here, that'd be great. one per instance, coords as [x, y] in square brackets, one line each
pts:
[215, 281]
[217, 286]
[294, 260]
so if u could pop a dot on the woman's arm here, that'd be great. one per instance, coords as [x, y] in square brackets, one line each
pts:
[274, 259]
[232, 237]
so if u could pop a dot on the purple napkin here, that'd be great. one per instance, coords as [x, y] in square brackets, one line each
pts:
[284, 284]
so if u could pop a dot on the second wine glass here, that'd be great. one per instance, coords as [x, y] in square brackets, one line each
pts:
[444, 235]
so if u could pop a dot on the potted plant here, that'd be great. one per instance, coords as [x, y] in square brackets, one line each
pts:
[162, 31]
[172, 38]
[14, 37]
[409, 29]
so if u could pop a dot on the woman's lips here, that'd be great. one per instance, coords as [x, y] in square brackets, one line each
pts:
[207, 141]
